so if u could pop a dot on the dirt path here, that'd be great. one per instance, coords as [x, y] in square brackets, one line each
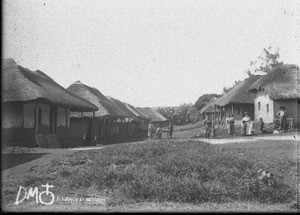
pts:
[248, 139]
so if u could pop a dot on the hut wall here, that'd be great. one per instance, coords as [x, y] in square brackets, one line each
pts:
[75, 128]
[239, 110]
[28, 114]
[62, 119]
[264, 100]
[44, 126]
[144, 125]
[291, 107]
[12, 122]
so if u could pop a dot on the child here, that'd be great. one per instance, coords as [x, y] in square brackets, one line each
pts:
[261, 126]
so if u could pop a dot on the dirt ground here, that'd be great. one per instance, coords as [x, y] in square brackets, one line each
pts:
[31, 163]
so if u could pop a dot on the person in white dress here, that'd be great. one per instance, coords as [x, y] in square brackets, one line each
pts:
[245, 129]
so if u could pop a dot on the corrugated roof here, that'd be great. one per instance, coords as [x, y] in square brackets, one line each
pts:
[93, 95]
[21, 84]
[281, 83]
[239, 94]
[152, 114]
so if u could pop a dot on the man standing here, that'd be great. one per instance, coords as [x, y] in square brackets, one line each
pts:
[208, 126]
[150, 129]
[282, 117]
[170, 130]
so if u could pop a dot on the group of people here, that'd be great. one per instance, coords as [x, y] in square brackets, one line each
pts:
[246, 126]
[158, 132]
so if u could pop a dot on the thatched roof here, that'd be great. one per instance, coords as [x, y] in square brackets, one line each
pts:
[152, 114]
[21, 84]
[239, 94]
[122, 108]
[105, 106]
[136, 112]
[210, 106]
[281, 83]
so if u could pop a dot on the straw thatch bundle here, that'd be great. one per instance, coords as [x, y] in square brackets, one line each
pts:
[152, 114]
[105, 106]
[281, 83]
[239, 94]
[21, 84]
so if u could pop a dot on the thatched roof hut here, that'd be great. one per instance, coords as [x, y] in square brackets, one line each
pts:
[136, 112]
[281, 83]
[210, 106]
[105, 106]
[152, 114]
[122, 108]
[21, 84]
[239, 94]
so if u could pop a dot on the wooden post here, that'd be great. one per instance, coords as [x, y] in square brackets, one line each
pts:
[231, 108]
[215, 114]
[36, 123]
[93, 137]
[66, 115]
[220, 114]
[22, 116]
[81, 124]
[242, 111]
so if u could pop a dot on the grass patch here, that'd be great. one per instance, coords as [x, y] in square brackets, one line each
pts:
[173, 171]
[189, 172]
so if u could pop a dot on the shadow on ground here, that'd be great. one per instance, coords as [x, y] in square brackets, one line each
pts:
[11, 160]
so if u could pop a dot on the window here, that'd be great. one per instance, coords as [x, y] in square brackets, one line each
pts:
[258, 105]
[39, 116]
[267, 108]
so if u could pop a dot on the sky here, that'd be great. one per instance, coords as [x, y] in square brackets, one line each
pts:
[149, 53]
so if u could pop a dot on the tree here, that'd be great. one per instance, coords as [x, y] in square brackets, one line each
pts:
[202, 100]
[182, 114]
[266, 62]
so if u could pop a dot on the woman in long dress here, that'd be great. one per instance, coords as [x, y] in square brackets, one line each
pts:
[227, 120]
[245, 129]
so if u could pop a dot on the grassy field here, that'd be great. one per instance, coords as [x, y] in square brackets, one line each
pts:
[179, 172]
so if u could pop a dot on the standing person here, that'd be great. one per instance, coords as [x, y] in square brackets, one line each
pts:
[227, 119]
[231, 125]
[207, 124]
[170, 130]
[150, 129]
[282, 117]
[261, 125]
[245, 124]
[158, 133]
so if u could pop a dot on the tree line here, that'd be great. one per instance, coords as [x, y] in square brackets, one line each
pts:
[189, 113]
